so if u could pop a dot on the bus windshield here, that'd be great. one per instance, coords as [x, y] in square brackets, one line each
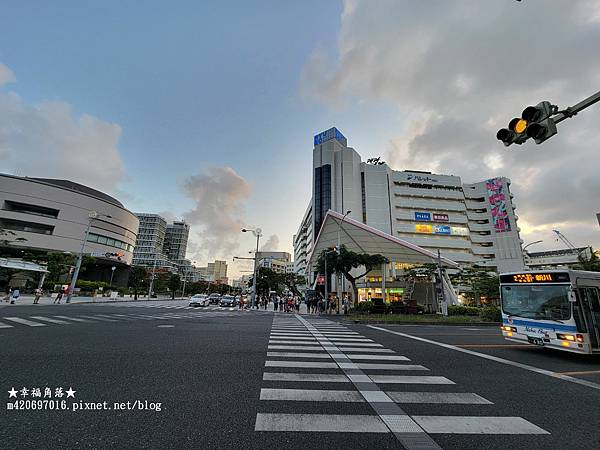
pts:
[550, 302]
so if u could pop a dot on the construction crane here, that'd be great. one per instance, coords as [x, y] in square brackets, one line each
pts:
[567, 242]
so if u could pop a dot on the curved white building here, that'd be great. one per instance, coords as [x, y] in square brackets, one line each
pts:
[52, 215]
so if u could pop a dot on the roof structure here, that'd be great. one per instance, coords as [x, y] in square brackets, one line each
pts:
[361, 238]
[19, 264]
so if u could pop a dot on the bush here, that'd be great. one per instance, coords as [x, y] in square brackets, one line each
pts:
[491, 314]
[364, 307]
[457, 310]
[89, 286]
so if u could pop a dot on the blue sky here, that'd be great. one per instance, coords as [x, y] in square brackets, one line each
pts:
[140, 99]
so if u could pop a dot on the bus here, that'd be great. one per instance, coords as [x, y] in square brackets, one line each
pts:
[558, 309]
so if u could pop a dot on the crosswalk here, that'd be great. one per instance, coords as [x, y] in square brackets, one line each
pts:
[318, 363]
[10, 322]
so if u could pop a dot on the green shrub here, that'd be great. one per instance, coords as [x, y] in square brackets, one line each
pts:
[89, 286]
[491, 314]
[364, 307]
[458, 310]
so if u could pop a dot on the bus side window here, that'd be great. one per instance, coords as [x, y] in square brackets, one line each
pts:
[578, 313]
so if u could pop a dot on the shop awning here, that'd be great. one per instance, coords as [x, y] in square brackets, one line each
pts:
[361, 238]
[19, 264]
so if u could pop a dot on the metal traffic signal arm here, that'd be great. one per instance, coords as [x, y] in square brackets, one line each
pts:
[539, 122]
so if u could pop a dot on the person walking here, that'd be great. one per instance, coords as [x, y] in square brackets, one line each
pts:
[281, 304]
[38, 294]
[16, 293]
[59, 296]
[8, 292]
[275, 304]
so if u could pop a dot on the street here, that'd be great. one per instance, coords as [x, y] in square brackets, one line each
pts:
[224, 378]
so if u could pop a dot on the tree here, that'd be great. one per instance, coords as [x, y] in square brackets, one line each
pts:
[137, 276]
[173, 284]
[478, 283]
[292, 281]
[346, 261]
[591, 263]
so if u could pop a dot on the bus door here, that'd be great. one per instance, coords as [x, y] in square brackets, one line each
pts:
[590, 308]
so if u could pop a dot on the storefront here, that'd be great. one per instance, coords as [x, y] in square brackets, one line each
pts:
[392, 294]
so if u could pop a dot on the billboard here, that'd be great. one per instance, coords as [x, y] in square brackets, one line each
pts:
[422, 228]
[459, 231]
[423, 216]
[332, 133]
[441, 229]
[440, 217]
[497, 201]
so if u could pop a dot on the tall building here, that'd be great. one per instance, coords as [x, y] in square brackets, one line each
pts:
[150, 242]
[468, 223]
[217, 271]
[176, 240]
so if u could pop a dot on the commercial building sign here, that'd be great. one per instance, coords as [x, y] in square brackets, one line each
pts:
[497, 201]
[423, 216]
[440, 217]
[441, 229]
[422, 228]
[332, 133]
[459, 231]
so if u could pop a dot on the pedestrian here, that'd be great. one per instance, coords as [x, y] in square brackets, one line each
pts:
[8, 292]
[345, 304]
[15, 295]
[275, 304]
[280, 304]
[38, 294]
[320, 305]
[266, 302]
[59, 295]
[297, 302]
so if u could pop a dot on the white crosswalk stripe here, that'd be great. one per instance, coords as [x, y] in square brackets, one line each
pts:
[22, 321]
[298, 345]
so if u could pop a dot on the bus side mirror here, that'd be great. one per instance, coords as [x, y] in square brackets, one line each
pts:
[572, 296]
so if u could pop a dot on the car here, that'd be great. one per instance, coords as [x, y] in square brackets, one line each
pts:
[228, 300]
[199, 300]
[214, 298]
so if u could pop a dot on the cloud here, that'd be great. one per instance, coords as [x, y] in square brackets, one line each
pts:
[457, 72]
[47, 140]
[218, 198]
[271, 245]
[6, 75]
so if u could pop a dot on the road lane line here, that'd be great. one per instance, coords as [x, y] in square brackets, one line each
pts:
[496, 359]
[459, 398]
[5, 325]
[332, 423]
[29, 323]
[583, 372]
[477, 425]
[48, 319]
[101, 319]
[497, 346]
[409, 379]
[298, 355]
[311, 395]
[74, 319]
[302, 364]
[306, 377]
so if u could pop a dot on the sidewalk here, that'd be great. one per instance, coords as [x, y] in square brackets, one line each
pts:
[28, 300]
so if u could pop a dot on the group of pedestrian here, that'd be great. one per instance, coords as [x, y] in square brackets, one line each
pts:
[12, 295]
[287, 304]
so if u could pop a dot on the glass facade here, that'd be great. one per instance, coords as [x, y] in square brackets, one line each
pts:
[322, 195]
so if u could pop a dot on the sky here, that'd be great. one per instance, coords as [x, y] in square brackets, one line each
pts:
[206, 110]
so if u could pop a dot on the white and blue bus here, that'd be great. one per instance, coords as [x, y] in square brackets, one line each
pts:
[556, 308]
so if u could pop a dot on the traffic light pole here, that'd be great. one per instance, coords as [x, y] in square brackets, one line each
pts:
[573, 110]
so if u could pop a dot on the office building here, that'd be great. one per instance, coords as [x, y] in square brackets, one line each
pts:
[149, 249]
[556, 258]
[471, 224]
[176, 240]
[49, 215]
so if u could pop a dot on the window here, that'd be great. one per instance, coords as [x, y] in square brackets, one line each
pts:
[28, 227]
[102, 240]
[30, 209]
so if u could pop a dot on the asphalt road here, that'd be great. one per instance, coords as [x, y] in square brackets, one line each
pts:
[249, 379]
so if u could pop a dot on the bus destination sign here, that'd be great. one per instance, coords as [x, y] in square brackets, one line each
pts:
[536, 277]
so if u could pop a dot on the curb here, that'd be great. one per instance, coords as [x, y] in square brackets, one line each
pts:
[460, 324]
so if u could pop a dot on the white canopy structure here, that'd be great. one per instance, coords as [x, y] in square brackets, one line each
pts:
[361, 238]
[19, 264]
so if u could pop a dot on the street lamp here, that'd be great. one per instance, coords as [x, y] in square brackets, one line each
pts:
[112, 274]
[532, 243]
[339, 252]
[257, 232]
[93, 215]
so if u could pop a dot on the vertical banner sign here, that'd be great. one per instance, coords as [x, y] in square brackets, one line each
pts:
[497, 201]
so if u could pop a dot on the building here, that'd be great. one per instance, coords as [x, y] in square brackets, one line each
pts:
[176, 240]
[50, 215]
[290, 267]
[149, 249]
[556, 258]
[468, 223]
[218, 271]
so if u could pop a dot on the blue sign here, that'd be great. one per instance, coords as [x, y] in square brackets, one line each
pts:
[441, 229]
[423, 216]
[332, 133]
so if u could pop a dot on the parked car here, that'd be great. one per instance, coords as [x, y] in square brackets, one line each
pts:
[199, 300]
[214, 298]
[228, 300]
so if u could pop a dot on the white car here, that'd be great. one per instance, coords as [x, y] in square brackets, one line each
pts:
[199, 300]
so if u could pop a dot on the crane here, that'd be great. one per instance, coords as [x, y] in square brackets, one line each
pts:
[568, 243]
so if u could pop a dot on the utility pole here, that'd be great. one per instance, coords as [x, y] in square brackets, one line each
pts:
[151, 287]
[257, 232]
[339, 277]
[441, 280]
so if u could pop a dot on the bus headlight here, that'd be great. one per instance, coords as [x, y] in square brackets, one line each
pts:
[566, 337]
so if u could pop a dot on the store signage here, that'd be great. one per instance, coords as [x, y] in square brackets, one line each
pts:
[332, 133]
[440, 217]
[423, 216]
[460, 231]
[441, 229]
[320, 280]
[412, 177]
[422, 228]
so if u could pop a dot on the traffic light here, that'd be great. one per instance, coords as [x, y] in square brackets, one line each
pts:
[540, 125]
[535, 122]
[514, 134]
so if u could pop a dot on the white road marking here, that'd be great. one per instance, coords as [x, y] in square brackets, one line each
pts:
[379, 357]
[369, 366]
[409, 379]
[354, 344]
[477, 425]
[333, 423]
[320, 348]
[311, 395]
[48, 319]
[294, 342]
[5, 325]
[460, 398]
[25, 322]
[302, 364]
[298, 355]
[74, 319]
[101, 319]
[306, 377]
[496, 359]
